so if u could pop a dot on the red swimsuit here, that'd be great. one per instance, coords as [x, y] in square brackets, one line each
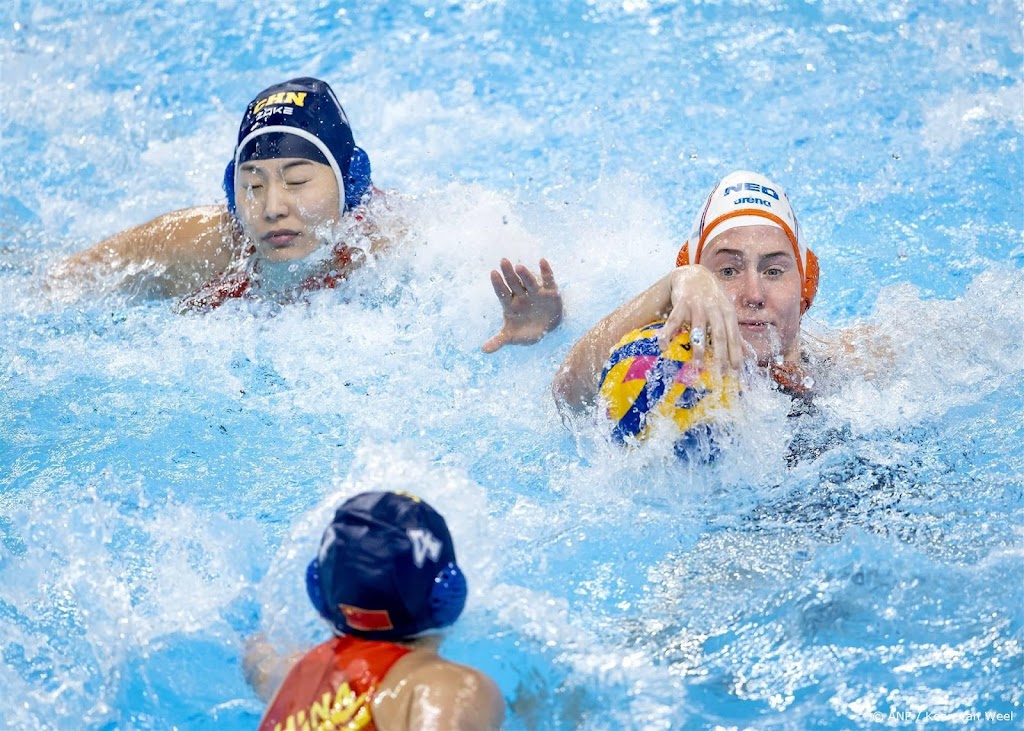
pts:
[332, 687]
[237, 282]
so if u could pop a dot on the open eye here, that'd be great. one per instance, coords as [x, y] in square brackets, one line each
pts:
[728, 272]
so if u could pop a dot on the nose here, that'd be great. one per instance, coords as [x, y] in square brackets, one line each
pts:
[276, 204]
[751, 292]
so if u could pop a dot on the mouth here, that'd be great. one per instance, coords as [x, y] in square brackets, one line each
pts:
[280, 238]
[755, 326]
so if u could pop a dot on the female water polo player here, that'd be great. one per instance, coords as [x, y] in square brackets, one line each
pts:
[743, 280]
[301, 214]
[385, 579]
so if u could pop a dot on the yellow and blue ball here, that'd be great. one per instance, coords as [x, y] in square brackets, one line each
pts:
[645, 391]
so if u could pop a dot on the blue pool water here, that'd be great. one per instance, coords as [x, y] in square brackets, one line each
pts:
[163, 479]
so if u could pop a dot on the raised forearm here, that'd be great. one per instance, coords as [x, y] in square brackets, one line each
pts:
[576, 383]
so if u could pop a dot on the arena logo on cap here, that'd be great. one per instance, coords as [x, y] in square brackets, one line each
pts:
[754, 187]
[752, 202]
[297, 98]
[366, 620]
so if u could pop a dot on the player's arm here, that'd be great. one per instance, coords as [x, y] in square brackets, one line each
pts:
[177, 251]
[576, 383]
[688, 294]
[264, 669]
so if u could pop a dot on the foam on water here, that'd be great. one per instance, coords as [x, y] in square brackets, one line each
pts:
[290, 413]
[165, 478]
[100, 579]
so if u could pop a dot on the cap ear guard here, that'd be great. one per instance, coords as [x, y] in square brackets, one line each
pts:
[313, 590]
[683, 257]
[229, 187]
[810, 287]
[448, 596]
[357, 183]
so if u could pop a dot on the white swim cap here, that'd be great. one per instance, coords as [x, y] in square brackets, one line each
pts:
[744, 198]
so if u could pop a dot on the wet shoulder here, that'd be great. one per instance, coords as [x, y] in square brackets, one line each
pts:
[423, 683]
[205, 232]
[203, 242]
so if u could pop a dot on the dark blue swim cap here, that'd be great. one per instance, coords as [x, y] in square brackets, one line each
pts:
[302, 118]
[386, 569]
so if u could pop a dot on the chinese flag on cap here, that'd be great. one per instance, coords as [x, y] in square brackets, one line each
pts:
[366, 620]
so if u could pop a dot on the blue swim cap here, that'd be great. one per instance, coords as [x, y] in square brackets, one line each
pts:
[386, 569]
[301, 118]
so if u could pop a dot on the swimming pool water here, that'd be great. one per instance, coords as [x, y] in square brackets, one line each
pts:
[163, 479]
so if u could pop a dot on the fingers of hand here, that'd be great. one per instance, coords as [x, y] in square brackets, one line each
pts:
[698, 344]
[512, 278]
[494, 343]
[500, 288]
[698, 335]
[547, 275]
[526, 277]
[717, 336]
[735, 341]
[672, 325]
